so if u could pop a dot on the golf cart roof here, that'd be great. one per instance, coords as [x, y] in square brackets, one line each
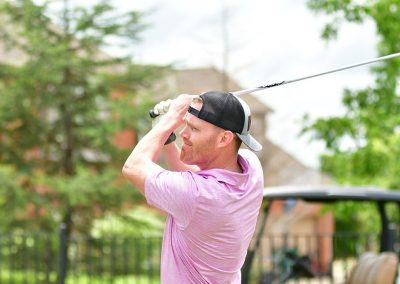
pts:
[330, 193]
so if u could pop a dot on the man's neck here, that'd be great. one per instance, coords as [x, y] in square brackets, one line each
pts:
[227, 162]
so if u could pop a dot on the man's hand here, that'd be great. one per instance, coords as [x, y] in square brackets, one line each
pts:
[157, 112]
[176, 108]
[180, 105]
[162, 107]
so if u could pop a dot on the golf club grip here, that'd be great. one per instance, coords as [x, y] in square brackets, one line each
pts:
[171, 137]
[152, 114]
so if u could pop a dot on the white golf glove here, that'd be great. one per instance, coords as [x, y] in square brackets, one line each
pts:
[159, 110]
[162, 107]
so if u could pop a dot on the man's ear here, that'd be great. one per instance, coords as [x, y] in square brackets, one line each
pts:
[225, 138]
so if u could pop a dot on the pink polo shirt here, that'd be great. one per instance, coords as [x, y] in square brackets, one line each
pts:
[212, 216]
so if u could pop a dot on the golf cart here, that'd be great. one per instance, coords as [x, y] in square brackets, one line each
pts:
[292, 265]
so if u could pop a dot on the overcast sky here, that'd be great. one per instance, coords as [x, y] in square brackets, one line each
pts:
[270, 41]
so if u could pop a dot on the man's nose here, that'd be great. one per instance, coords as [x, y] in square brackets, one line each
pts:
[183, 133]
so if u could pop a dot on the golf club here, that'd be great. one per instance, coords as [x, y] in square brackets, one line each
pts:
[285, 82]
[256, 89]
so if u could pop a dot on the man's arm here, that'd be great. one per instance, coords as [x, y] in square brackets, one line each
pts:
[142, 161]
[172, 158]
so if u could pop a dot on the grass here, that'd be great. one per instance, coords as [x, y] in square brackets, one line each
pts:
[23, 277]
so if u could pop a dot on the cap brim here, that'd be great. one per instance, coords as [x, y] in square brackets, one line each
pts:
[250, 142]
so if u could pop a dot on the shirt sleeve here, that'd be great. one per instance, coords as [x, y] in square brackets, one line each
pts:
[174, 193]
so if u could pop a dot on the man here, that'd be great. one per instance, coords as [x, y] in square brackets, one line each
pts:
[212, 192]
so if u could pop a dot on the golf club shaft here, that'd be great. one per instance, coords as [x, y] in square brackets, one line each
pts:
[256, 89]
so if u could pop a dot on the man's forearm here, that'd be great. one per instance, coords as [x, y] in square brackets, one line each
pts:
[144, 156]
[151, 144]
[142, 161]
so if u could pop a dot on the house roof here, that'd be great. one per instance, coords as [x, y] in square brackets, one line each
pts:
[15, 56]
[11, 56]
[200, 80]
[284, 169]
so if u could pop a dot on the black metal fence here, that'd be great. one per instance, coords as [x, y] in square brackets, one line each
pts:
[44, 258]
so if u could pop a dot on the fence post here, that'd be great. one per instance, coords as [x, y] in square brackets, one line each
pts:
[62, 254]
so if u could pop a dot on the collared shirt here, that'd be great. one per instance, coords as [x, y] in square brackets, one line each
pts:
[212, 216]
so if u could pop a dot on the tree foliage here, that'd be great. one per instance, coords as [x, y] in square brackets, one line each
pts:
[363, 145]
[61, 107]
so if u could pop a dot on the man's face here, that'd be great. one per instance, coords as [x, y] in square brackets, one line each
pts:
[199, 140]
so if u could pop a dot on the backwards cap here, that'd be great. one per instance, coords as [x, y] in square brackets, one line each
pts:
[227, 112]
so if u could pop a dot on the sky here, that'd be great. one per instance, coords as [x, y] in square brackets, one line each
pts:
[269, 41]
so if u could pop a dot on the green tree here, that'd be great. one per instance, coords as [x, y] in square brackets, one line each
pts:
[61, 108]
[364, 143]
